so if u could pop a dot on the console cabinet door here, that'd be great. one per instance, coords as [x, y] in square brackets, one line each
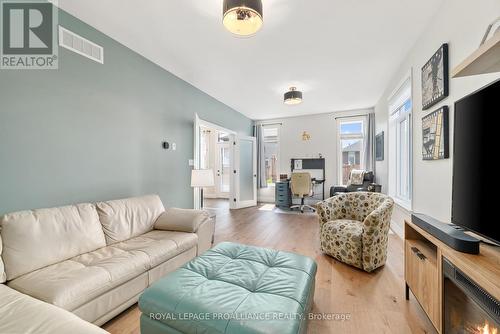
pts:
[422, 277]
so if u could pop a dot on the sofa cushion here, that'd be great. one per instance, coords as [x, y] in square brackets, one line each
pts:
[3, 276]
[342, 240]
[126, 218]
[160, 246]
[183, 220]
[234, 280]
[71, 283]
[38, 238]
[22, 314]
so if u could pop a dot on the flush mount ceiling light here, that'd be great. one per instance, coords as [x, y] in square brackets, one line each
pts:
[293, 96]
[243, 17]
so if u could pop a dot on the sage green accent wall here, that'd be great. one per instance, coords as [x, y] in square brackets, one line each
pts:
[90, 132]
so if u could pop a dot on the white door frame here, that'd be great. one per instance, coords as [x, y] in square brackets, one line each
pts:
[198, 123]
[234, 200]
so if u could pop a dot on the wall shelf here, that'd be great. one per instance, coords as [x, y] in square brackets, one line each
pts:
[486, 59]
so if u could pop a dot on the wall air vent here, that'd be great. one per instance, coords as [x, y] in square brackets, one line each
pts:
[80, 45]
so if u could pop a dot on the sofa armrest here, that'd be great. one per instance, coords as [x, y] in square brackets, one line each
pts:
[205, 234]
[183, 220]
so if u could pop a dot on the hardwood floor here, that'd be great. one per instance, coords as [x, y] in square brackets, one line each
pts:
[375, 302]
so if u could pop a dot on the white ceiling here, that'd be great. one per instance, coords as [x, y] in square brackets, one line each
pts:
[340, 53]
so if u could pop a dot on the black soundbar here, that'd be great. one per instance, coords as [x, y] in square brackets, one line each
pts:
[451, 235]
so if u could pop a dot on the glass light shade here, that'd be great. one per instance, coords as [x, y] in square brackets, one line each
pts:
[293, 96]
[243, 17]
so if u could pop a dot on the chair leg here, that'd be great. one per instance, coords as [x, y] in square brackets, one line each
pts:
[309, 207]
[302, 205]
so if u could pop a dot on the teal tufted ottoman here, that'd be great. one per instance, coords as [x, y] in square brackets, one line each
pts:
[232, 288]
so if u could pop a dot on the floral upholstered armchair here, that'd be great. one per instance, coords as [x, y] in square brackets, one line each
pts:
[354, 228]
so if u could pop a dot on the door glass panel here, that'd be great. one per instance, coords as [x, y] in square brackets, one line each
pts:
[204, 149]
[225, 169]
[246, 170]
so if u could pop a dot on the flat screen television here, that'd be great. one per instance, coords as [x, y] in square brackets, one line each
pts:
[476, 177]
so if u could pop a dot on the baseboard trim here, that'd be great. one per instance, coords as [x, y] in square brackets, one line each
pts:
[262, 199]
[398, 230]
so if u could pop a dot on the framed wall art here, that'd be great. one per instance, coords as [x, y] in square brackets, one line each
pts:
[435, 135]
[435, 78]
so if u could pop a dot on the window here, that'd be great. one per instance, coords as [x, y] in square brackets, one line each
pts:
[400, 144]
[271, 153]
[351, 146]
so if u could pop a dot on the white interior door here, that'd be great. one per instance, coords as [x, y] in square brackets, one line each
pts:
[244, 174]
[223, 170]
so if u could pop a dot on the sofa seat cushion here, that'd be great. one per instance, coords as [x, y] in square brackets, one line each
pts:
[234, 280]
[22, 314]
[342, 239]
[160, 246]
[71, 283]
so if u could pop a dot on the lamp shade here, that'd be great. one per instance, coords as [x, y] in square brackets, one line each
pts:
[242, 17]
[202, 178]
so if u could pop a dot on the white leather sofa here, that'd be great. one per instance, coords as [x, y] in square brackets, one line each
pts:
[93, 260]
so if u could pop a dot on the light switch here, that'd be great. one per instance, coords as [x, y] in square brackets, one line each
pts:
[191, 162]
[174, 146]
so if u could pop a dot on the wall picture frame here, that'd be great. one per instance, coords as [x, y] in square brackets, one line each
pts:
[435, 78]
[435, 135]
[379, 147]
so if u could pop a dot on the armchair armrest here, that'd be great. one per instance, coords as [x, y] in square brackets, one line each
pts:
[375, 235]
[183, 220]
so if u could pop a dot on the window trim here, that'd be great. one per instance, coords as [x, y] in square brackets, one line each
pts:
[393, 134]
[361, 135]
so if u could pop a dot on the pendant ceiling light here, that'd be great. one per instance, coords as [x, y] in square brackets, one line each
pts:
[293, 96]
[243, 17]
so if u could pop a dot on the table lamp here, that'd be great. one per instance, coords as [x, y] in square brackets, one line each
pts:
[201, 178]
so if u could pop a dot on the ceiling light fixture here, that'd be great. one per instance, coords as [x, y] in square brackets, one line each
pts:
[293, 96]
[243, 17]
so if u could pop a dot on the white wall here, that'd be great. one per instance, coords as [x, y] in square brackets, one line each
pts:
[323, 131]
[461, 23]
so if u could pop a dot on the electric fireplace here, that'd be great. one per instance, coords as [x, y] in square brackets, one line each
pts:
[468, 309]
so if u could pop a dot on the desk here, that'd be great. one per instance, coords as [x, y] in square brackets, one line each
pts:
[314, 166]
[283, 193]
